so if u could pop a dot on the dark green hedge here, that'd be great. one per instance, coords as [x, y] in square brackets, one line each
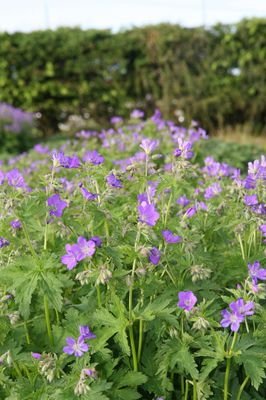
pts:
[72, 71]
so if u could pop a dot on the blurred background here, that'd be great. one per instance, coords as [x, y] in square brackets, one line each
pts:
[68, 65]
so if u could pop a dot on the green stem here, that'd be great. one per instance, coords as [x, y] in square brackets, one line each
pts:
[146, 165]
[98, 295]
[17, 369]
[168, 209]
[47, 320]
[130, 307]
[186, 391]
[45, 234]
[182, 386]
[47, 214]
[242, 388]
[194, 389]
[228, 366]
[107, 234]
[133, 348]
[34, 255]
[140, 338]
[226, 378]
[57, 317]
[241, 247]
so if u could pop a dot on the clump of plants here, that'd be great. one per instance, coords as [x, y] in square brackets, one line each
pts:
[129, 271]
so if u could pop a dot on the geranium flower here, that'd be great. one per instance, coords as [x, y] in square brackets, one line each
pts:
[3, 242]
[15, 179]
[239, 307]
[16, 224]
[148, 213]
[57, 205]
[187, 300]
[183, 201]
[85, 332]
[256, 272]
[155, 256]
[113, 181]
[169, 237]
[251, 200]
[212, 191]
[72, 257]
[86, 248]
[76, 347]
[149, 145]
[234, 319]
[93, 157]
[88, 195]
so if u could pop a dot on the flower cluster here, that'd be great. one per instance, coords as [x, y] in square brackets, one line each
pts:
[239, 309]
[77, 252]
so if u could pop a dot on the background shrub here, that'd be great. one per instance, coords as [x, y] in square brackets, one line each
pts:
[215, 75]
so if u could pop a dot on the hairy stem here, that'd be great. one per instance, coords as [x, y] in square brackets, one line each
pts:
[194, 389]
[133, 348]
[228, 366]
[141, 322]
[186, 391]
[242, 387]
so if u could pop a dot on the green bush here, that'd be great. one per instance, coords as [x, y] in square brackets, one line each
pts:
[215, 75]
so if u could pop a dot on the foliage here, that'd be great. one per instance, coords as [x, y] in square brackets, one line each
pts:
[141, 221]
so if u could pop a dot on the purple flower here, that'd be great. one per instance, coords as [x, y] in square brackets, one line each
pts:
[234, 319]
[76, 347]
[97, 240]
[251, 200]
[86, 248]
[90, 372]
[57, 205]
[148, 213]
[93, 157]
[201, 205]
[68, 186]
[116, 120]
[72, 257]
[59, 159]
[184, 149]
[256, 272]
[136, 114]
[263, 229]
[183, 201]
[41, 149]
[190, 212]
[187, 300]
[154, 256]
[250, 182]
[16, 224]
[170, 238]
[239, 307]
[37, 356]
[85, 332]
[15, 179]
[212, 191]
[113, 181]
[2, 177]
[149, 145]
[88, 195]
[3, 242]
[71, 162]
